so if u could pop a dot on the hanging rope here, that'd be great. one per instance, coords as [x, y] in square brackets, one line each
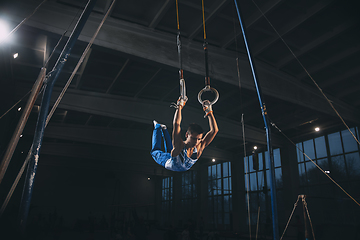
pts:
[207, 87]
[178, 43]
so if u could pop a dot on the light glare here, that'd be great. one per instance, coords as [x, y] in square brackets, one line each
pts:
[16, 55]
[213, 160]
[317, 129]
[4, 31]
[255, 147]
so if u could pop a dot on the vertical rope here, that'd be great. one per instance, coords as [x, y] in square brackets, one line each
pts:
[203, 15]
[177, 15]
[178, 43]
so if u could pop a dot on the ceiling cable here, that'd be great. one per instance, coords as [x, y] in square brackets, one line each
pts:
[306, 71]
[273, 124]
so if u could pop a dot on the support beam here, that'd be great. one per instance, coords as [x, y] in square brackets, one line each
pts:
[143, 111]
[160, 14]
[215, 8]
[268, 6]
[108, 139]
[143, 42]
[316, 42]
[291, 25]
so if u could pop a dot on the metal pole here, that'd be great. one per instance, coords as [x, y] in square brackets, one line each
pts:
[268, 137]
[20, 127]
[40, 127]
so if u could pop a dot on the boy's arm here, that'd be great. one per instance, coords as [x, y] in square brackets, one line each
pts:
[178, 143]
[210, 135]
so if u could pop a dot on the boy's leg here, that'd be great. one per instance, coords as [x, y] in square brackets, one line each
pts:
[167, 140]
[158, 155]
[156, 138]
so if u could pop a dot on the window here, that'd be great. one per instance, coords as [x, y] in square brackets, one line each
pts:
[220, 195]
[166, 199]
[189, 195]
[337, 154]
[257, 183]
[341, 159]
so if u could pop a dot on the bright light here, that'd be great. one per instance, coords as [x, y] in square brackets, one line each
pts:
[4, 30]
[213, 160]
[21, 135]
[255, 147]
[317, 129]
[19, 109]
[16, 55]
[327, 171]
[148, 179]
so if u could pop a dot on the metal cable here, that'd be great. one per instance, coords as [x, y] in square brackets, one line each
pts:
[306, 71]
[316, 164]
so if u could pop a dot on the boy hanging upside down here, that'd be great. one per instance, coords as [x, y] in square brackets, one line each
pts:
[184, 154]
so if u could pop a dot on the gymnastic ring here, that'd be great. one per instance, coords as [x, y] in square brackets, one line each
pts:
[208, 89]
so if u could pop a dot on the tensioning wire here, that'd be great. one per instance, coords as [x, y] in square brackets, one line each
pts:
[306, 71]
[327, 101]
[273, 124]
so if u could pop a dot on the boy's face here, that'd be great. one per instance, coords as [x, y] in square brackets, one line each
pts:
[193, 139]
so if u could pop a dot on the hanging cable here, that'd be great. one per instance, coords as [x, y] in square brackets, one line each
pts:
[181, 71]
[309, 75]
[207, 87]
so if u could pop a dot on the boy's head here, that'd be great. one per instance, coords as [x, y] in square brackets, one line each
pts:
[193, 134]
[195, 128]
